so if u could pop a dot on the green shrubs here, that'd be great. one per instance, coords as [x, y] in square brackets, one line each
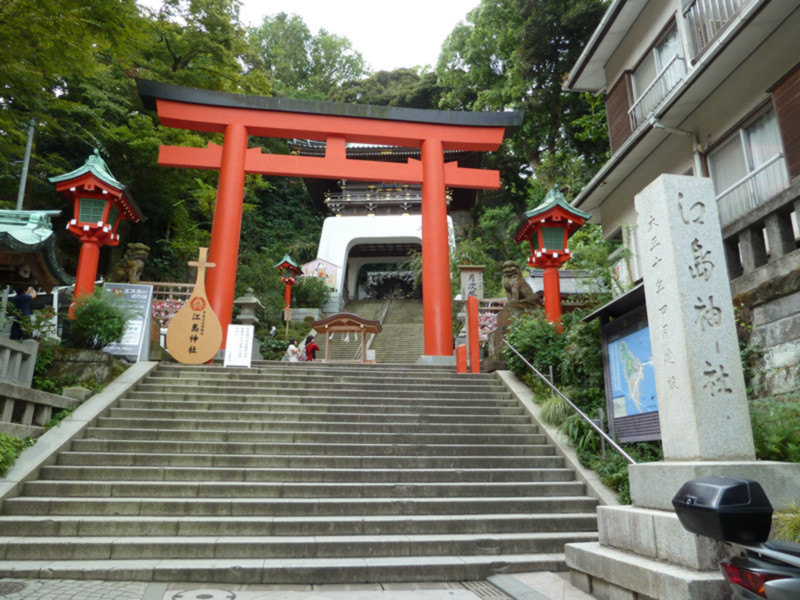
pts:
[613, 468]
[555, 410]
[99, 320]
[787, 524]
[10, 449]
[776, 428]
[311, 292]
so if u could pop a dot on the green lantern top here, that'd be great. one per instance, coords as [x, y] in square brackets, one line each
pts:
[555, 198]
[94, 165]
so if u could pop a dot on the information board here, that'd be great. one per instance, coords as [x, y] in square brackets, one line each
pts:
[138, 300]
[239, 346]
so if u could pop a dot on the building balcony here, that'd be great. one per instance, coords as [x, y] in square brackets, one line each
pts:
[753, 190]
[706, 18]
[665, 81]
[762, 244]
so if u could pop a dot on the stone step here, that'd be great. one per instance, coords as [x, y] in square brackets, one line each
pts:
[358, 434]
[109, 458]
[353, 370]
[296, 571]
[233, 388]
[297, 507]
[349, 404]
[305, 379]
[350, 413]
[145, 526]
[179, 411]
[266, 547]
[266, 445]
[238, 489]
[287, 475]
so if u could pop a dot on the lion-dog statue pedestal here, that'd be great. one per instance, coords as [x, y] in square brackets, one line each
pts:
[521, 299]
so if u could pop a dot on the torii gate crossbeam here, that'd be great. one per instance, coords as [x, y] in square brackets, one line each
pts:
[238, 117]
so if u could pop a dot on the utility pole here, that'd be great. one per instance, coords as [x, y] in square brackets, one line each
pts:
[23, 179]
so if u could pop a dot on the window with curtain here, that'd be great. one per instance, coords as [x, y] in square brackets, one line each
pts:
[660, 71]
[748, 169]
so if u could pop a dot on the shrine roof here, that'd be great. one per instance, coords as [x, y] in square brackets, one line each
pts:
[30, 232]
[346, 321]
[288, 261]
[150, 91]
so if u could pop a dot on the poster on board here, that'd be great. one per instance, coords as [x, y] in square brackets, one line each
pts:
[135, 342]
[239, 346]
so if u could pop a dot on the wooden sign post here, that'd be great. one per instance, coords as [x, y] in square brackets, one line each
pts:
[195, 334]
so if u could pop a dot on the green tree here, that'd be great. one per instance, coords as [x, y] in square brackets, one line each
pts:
[299, 64]
[407, 87]
[514, 54]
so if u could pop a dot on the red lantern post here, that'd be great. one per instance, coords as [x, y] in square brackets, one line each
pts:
[547, 229]
[289, 272]
[101, 203]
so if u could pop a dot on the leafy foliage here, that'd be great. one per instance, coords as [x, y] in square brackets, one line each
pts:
[10, 449]
[776, 428]
[613, 468]
[311, 292]
[99, 320]
[787, 524]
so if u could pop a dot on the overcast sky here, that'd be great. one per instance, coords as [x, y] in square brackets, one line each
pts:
[389, 34]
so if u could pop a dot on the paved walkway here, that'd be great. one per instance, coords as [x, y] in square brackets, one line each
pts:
[527, 586]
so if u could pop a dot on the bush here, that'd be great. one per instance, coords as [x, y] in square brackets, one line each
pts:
[787, 524]
[555, 410]
[311, 292]
[613, 469]
[99, 320]
[776, 428]
[10, 449]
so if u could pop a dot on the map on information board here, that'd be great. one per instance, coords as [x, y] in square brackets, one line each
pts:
[633, 382]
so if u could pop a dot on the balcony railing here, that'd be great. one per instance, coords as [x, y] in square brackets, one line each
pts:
[752, 190]
[666, 80]
[706, 18]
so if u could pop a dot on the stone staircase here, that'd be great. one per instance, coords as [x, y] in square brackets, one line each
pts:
[300, 473]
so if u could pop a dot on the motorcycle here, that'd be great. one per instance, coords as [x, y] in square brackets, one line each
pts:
[736, 511]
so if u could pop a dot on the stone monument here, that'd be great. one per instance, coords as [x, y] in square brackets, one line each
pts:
[703, 411]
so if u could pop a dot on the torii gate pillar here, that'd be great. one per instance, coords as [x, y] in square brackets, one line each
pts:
[436, 303]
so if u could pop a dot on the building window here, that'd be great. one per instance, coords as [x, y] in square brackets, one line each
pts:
[749, 168]
[656, 76]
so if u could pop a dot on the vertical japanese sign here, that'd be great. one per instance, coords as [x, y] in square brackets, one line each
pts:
[195, 334]
[699, 381]
[138, 300]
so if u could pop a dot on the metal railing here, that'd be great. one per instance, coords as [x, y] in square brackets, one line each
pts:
[706, 18]
[665, 81]
[752, 190]
[583, 415]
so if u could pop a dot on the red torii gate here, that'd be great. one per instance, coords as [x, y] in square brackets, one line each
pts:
[239, 116]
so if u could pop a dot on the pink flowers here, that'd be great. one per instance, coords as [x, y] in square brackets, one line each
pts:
[165, 309]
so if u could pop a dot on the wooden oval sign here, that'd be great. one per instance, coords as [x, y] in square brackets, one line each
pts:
[194, 335]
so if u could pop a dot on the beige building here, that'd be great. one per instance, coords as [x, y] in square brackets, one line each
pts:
[709, 88]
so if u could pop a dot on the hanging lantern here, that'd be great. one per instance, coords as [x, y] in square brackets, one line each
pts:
[547, 229]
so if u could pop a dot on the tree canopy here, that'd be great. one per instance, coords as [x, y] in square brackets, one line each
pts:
[70, 65]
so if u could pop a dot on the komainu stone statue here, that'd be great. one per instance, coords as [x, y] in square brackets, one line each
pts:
[520, 299]
[517, 289]
[129, 269]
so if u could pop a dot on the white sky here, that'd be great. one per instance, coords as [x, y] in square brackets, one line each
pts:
[388, 33]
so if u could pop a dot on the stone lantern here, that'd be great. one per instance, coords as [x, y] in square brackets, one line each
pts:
[100, 203]
[547, 229]
[289, 272]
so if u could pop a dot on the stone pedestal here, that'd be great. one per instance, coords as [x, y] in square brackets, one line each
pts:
[643, 551]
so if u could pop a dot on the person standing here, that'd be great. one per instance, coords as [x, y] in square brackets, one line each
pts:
[293, 352]
[311, 348]
[22, 301]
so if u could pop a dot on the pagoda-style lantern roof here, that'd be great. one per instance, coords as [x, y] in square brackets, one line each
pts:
[554, 209]
[287, 264]
[547, 229]
[94, 179]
